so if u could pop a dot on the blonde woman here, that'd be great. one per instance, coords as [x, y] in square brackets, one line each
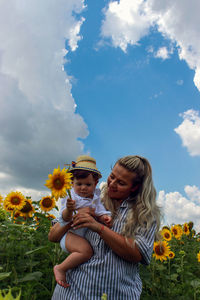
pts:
[114, 267]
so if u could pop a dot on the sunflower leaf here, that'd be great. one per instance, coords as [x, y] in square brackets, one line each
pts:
[4, 275]
[9, 296]
[31, 276]
[35, 250]
[195, 283]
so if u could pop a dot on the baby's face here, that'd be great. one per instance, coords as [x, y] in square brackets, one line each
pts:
[85, 187]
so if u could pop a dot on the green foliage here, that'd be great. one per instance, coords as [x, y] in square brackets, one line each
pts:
[176, 278]
[4, 295]
[27, 258]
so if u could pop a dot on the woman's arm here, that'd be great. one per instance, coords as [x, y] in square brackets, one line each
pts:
[125, 248]
[57, 231]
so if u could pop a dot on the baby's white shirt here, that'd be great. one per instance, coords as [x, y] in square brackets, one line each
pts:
[95, 203]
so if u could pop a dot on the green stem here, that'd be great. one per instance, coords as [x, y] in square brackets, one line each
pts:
[169, 267]
[69, 194]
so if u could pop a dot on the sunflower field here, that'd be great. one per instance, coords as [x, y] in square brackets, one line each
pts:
[174, 271]
[27, 257]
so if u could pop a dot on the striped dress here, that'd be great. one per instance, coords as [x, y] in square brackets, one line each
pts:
[106, 272]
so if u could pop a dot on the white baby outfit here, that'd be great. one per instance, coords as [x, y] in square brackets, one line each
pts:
[95, 203]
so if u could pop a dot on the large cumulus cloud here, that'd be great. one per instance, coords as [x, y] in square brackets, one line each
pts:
[178, 208]
[39, 124]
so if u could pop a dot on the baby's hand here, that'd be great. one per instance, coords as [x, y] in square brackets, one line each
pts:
[71, 204]
[106, 219]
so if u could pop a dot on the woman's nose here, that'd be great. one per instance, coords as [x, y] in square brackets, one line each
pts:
[113, 183]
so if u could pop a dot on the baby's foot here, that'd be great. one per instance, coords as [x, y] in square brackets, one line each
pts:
[60, 276]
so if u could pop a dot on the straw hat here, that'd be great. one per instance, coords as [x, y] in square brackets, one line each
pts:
[85, 162]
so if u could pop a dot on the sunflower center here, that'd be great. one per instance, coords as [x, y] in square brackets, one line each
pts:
[175, 232]
[58, 183]
[159, 249]
[167, 235]
[26, 208]
[47, 202]
[15, 201]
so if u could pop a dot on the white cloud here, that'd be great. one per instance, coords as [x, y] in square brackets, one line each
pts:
[193, 193]
[127, 21]
[40, 128]
[162, 53]
[189, 131]
[178, 209]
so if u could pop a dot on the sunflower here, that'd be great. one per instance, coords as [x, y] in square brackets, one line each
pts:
[186, 229]
[1, 199]
[161, 250]
[27, 210]
[7, 208]
[47, 203]
[59, 182]
[171, 254]
[51, 217]
[177, 231]
[166, 234]
[198, 256]
[14, 200]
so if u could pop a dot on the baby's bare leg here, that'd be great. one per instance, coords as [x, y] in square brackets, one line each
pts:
[80, 252]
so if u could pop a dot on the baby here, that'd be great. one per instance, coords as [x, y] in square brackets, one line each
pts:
[84, 194]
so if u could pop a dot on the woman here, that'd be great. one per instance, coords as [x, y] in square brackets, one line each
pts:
[114, 267]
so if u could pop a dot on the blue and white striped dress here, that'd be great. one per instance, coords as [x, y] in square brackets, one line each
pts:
[106, 272]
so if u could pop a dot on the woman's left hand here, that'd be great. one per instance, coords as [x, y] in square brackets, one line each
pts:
[81, 220]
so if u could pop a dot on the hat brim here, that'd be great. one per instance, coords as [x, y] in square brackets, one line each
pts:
[86, 169]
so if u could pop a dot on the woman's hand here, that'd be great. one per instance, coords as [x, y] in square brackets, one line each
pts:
[88, 210]
[83, 219]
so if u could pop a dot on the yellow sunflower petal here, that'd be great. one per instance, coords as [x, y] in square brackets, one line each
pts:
[1, 199]
[198, 256]
[186, 229]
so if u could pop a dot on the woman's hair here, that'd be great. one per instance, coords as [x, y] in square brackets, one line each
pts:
[81, 174]
[144, 210]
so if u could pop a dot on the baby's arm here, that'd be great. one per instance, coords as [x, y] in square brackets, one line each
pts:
[68, 211]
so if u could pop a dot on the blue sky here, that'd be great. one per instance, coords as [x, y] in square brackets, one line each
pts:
[132, 101]
[127, 83]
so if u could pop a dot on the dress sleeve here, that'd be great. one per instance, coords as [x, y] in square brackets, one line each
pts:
[144, 240]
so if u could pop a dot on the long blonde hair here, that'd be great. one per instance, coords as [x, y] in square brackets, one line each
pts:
[144, 210]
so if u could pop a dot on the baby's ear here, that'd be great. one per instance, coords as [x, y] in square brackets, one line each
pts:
[96, 181]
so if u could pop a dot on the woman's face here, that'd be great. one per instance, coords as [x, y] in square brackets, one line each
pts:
[120, 183]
